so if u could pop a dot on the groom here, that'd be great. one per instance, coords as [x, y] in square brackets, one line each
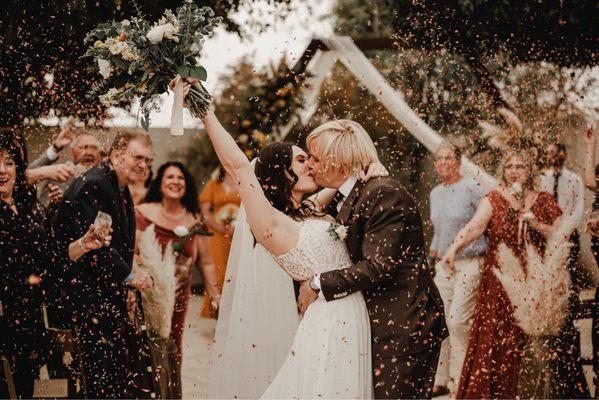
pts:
[386, 244]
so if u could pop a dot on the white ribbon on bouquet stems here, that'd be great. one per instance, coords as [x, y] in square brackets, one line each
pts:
[177, 111]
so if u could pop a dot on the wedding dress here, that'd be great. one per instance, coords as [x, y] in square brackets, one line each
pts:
[257, 320]
[330, 356]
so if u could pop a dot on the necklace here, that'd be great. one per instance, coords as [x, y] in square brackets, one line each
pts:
[177, 217]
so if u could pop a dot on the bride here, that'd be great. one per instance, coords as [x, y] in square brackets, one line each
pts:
[330, 356]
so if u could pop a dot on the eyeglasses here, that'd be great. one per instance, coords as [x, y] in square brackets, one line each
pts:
[139, 158]
[447, 158]
[515, 166]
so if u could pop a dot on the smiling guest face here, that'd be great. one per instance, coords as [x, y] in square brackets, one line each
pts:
[86, 150]
[173, 184]
[8, 174]
[516, 170]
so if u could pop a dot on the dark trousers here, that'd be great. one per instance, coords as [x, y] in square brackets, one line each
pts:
[574, 269]
[406, 377]
[103, 352]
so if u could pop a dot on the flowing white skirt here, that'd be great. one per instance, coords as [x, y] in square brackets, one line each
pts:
[330, 356]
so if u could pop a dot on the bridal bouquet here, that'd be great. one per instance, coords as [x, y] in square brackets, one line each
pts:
[139, 59]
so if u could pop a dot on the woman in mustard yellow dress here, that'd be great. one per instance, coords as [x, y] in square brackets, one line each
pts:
[219, 202]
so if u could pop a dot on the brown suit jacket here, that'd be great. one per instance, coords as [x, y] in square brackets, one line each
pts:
[386, 244]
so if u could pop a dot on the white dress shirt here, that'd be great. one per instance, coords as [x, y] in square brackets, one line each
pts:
[345, 190]
[570, 192]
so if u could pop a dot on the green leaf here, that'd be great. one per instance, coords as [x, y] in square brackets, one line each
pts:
[199, 73]
[184, 71]
[120, 63]
[145, 120]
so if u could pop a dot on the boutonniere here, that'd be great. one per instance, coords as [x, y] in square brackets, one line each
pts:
[337, 232]
[185, 234]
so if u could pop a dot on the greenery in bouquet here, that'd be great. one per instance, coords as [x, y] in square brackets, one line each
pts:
[138, 59]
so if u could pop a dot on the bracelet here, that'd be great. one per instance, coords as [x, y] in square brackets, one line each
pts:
[80, 243]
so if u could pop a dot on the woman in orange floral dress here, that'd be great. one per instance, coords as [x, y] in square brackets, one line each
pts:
[219, 202]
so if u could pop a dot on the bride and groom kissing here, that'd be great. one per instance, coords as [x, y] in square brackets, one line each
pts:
[378, 274]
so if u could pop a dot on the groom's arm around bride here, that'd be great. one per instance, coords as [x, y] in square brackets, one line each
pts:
[386, 243]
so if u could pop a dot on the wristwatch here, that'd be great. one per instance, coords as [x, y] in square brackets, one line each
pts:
[313, 285]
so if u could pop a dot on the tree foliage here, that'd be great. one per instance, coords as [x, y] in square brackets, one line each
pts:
[254, 106]
[563, 32]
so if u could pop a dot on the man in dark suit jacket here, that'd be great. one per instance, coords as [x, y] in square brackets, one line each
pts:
[98, 292]
[386, 244]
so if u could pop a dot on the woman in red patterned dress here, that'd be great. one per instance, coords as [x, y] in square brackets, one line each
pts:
[513, 214]
[170, 204]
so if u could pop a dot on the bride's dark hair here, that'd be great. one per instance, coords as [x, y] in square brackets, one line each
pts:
[274, 172]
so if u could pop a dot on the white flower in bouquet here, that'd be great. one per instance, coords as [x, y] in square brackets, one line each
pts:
[104, 67]
[195, 48]
[181, 231]
[158, 32]
[141, 59]
[109, 98]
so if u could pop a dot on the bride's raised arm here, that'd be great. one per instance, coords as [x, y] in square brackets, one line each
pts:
[277, 232]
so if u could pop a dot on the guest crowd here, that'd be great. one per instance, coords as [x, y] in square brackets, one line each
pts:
[61, 268]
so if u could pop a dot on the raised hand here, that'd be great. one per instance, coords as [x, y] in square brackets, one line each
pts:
[65, 136]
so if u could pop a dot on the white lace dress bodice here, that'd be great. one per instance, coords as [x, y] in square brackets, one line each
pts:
[330, 356]
[316, 251]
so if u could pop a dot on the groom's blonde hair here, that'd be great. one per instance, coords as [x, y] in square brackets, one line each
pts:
[344, 144]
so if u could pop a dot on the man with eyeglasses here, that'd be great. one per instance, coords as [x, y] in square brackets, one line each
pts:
[85, 153]
[98, 292]
[453, 203]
